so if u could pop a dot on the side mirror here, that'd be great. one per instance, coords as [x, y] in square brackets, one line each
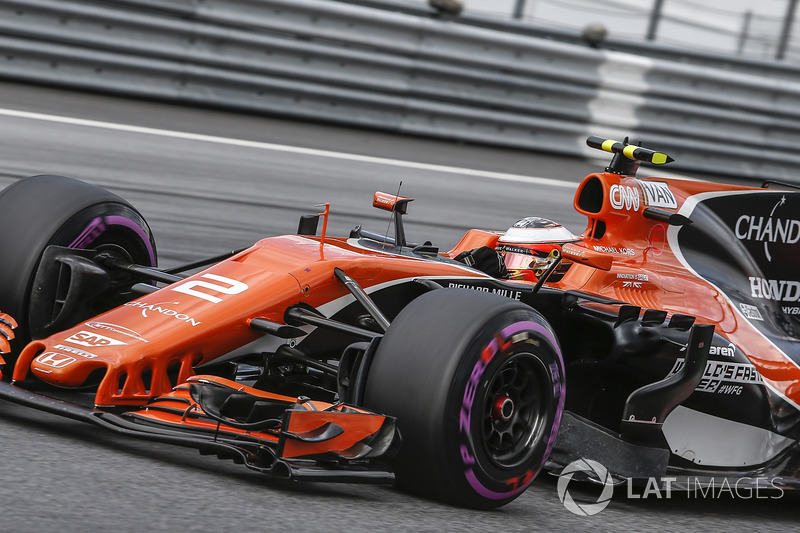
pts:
[585, 256]
[398, 206]
[391, 202]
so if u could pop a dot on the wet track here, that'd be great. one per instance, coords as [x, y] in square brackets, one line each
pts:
[204, 191]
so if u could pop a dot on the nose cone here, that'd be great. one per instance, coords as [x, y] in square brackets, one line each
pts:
[61, 364]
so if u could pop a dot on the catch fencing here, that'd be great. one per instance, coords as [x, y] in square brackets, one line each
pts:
[371, 64]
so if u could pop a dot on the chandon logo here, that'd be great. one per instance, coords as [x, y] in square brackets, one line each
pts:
[162, 309]
[768, 229]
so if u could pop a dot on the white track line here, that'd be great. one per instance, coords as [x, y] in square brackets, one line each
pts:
[286, 148]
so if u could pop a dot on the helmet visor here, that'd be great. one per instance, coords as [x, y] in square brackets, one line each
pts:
[515, 261]
[519, 261]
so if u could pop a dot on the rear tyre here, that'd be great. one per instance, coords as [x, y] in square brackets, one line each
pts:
[476, 382]
[43, 210]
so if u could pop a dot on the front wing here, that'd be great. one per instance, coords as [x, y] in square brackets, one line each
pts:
[290, 438]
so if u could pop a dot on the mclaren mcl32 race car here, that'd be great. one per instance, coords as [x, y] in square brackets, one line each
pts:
[662, 342]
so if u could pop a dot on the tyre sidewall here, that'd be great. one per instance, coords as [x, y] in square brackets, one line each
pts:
[483, 480]
[43, 210]
[421, 375]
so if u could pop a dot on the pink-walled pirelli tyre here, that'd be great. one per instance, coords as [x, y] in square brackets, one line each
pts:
[42, 210]
[476, 382]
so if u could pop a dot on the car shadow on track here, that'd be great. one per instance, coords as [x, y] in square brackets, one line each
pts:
[66, 433]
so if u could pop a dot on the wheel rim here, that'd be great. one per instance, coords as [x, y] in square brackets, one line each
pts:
[514, 410]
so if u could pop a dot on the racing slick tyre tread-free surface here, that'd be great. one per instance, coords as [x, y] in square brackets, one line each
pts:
[476, 382]
[43, 210]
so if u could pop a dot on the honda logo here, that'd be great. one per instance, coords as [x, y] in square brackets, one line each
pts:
[55, 359]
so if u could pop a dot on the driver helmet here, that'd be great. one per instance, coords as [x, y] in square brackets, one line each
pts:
[531, 245]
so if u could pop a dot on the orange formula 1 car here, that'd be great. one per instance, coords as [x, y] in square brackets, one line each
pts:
[664, 341]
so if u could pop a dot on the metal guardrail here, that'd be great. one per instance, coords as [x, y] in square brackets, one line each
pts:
[359, 64]
[652, 49]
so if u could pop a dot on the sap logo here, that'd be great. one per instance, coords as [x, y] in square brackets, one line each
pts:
[658, 194]
[623, 197]
[93, 340]
[55, 359]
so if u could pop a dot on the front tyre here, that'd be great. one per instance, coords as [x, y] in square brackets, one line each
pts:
[476, 382]
[46, 210]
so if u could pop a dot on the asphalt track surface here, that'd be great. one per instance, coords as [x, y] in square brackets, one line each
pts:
[209, 181]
